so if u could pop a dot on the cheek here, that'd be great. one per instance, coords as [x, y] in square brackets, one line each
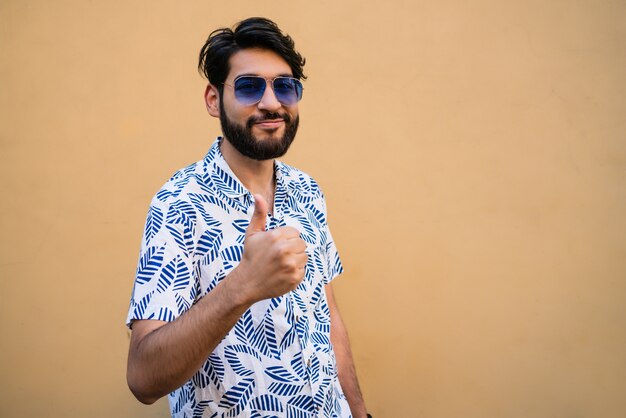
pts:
[293, 112]
[235, 112]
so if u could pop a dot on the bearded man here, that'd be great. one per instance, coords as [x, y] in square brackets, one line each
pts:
[233, 312]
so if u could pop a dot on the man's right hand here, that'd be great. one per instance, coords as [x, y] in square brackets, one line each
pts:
[273, 261]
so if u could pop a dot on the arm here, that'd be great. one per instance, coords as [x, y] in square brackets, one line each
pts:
[163, 356]
[343, 353]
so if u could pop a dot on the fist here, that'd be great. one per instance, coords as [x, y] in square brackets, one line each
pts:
[273, 261]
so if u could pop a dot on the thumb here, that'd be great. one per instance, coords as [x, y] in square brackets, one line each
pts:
[257, 223]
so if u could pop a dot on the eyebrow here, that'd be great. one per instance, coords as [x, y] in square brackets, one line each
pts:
[257, 75]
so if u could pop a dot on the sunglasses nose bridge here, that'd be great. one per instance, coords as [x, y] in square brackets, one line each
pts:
[269, 100]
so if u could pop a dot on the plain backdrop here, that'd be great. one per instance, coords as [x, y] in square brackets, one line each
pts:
[472, 153]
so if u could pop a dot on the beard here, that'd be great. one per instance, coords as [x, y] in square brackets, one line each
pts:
[246, 143]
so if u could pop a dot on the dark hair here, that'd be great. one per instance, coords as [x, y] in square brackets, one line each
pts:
[254, 32]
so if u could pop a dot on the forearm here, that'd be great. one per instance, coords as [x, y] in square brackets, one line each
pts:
[345, 363]
[162, 359]
[350, 383]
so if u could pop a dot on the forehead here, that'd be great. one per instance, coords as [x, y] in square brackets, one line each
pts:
[261, 62]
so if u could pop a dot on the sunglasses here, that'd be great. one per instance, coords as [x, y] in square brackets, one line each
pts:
[249, 89]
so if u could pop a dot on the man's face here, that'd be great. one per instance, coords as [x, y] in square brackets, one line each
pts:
[266, 129]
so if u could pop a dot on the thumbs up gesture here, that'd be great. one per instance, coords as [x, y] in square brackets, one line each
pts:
[257, 223]
[273, 261]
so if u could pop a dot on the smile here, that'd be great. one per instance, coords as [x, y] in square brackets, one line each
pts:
[270, 124]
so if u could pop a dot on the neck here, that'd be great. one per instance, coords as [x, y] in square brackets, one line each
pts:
[257, 176]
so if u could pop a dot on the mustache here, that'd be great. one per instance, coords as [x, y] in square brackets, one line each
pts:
[268, 116]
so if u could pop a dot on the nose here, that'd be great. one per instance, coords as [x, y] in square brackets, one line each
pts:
[269, 101]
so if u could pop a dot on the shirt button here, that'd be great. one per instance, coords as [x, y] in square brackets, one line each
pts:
[308, 363]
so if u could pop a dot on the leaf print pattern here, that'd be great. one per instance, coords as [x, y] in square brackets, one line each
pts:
[277, 360]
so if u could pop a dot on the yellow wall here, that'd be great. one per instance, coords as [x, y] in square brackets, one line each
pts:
[474, 159]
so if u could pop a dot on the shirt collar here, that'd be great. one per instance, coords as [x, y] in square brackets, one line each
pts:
[228, 183]
[222, 176]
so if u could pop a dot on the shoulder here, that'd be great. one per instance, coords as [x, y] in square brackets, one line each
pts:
[172, 209]
[183, 183]
[193, 180]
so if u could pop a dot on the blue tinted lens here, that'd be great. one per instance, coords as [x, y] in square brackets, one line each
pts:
[249, 90]
[287, 90]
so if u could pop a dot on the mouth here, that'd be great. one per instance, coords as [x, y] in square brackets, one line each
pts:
[269, 123]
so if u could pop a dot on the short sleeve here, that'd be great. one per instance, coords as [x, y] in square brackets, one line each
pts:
[334, 266]
[333, 262]
[165, 278]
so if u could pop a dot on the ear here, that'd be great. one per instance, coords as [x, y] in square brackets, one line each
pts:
[212, 100]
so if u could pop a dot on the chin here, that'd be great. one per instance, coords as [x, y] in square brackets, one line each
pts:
[276, 135]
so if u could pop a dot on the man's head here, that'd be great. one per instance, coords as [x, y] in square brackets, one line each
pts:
[259, 115]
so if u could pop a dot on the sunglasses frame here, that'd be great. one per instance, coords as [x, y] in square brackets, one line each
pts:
[270, 81]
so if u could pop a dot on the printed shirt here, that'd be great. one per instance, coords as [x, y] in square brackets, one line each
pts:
[277, 361]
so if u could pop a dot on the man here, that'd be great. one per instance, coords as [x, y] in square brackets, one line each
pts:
[233, 312]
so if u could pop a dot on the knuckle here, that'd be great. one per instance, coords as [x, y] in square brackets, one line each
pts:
[273, 235]
[291, 266]
[295, 281]
[291, 231]
[284, 251]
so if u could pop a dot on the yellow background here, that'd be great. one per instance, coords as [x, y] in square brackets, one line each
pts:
[474, 159]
